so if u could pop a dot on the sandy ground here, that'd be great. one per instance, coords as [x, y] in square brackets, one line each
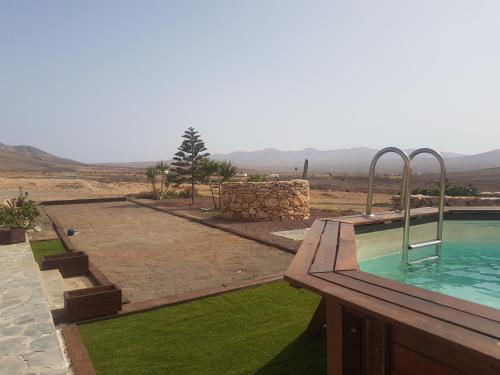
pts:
[47, 188]
[345, 202]
[152, 254]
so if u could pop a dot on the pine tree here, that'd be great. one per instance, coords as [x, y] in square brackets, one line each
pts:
[188, 158]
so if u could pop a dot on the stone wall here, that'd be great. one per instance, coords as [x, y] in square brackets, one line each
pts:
[279, 200]
[484, 200]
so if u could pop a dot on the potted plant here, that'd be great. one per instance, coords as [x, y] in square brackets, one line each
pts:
[14, 221]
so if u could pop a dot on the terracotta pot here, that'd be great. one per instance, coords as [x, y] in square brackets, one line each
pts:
[10, 236]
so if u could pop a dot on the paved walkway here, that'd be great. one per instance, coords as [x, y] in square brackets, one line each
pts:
[28, 343]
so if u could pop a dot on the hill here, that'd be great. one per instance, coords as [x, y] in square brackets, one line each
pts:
[356, 160]
[28, 158]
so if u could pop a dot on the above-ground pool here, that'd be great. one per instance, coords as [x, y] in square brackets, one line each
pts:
[469, 267]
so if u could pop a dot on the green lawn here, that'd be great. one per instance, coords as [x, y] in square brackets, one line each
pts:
[252, 331]
[43, 248]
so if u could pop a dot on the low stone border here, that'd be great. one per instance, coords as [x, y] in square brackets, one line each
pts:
[216, 226]
[77, 352]
[81, 201]
[418, 200]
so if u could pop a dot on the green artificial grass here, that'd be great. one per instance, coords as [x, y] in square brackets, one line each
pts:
[252, 331]
[44, 248]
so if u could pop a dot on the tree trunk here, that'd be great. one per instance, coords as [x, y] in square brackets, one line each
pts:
[212, 192]
[161, 187]
[220, 199]
[155, 191]
[192, 183]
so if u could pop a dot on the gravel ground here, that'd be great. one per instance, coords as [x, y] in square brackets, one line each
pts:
[152, 254]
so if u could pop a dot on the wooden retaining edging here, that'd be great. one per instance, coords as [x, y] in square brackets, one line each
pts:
[69, 264]
[177, 299]
[94, 272]
[77, 353]
[80, 360]
[93, 302]
[81, 201]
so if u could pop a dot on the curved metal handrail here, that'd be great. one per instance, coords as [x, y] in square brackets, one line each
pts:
[371, 177]
[405, 198]
[442, 189]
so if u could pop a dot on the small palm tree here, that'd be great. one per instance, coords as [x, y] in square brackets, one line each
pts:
[151, 175]
[166, 177]
[209, 168]
[226, 171]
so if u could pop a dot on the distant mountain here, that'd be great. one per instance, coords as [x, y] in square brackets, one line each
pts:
[355, 160]
[345, 160]
[28, 158]
[129, 164]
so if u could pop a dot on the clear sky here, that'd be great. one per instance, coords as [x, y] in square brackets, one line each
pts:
[102, 80]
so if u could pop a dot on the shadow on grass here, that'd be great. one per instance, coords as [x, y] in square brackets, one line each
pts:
[306, 355]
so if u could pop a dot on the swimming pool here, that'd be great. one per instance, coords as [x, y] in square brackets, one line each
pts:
[469, 268]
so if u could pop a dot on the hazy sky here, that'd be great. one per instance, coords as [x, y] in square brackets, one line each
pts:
[120, 80]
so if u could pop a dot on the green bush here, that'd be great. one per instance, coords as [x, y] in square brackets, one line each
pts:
[23, 216]
[451, 191]
[256, 178]
[186, 193]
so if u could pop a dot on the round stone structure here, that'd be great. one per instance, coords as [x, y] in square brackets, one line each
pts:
[277, 200]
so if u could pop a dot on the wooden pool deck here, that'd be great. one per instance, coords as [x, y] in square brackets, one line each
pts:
[379, 326]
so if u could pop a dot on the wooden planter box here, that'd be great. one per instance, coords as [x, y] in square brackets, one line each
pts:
[70, 264]
[90, 303]
[11, 236]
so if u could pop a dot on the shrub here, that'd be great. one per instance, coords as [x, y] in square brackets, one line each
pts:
[186, 193]
[24, 216]
[256, 178]
[451, 191]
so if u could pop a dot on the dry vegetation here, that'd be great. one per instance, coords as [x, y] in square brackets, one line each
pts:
[334, 194]
[330, 194]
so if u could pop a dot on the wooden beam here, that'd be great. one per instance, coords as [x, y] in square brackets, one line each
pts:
[334, 312]
[318, 319]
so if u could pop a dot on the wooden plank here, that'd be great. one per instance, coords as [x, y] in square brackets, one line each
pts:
[483, 345]
[176, 299]
[68, 264]
[434, 347]
[318, 320]
[346, 254]
[83, 201]
[302, 260]
[375, 348]
[92, 302]
[77, 353]
[387, 216]
[441, 299]
[324, 261]
[456, 317]
[351, 343]
[407, 362]
[334, 316]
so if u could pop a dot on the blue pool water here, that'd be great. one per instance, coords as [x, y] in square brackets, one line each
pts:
[468, 270]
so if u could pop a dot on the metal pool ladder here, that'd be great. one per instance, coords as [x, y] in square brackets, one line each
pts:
[405, 200]
[439, 233]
